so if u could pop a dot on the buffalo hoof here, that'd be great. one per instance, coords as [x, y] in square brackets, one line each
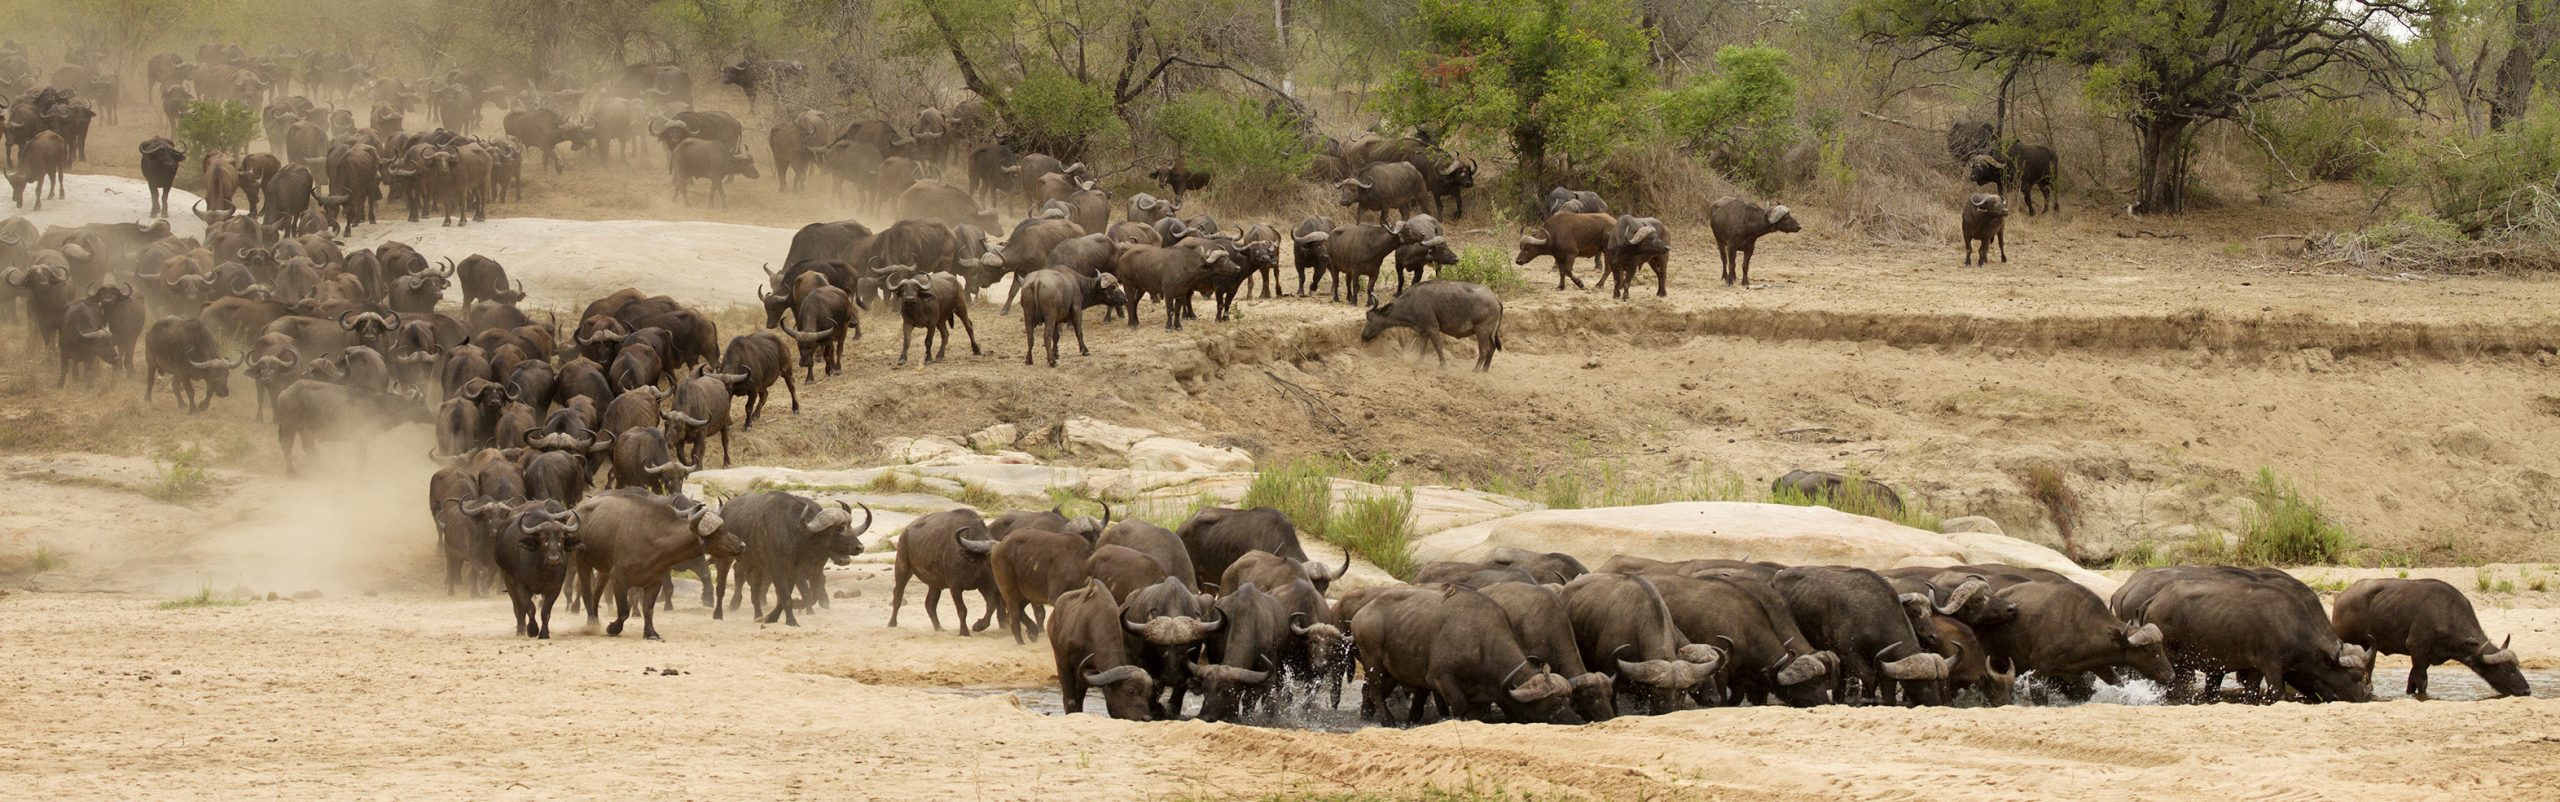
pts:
[613, 629]
[651, 636]
[546, 635]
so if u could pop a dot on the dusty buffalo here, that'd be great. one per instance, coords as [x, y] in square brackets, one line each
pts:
[1456, 644]
[1031, 568]
[1739, 224]
[2432, 623]
[2064, 635]
[632, 540]
[1434, 309]
[1092, 651]
[1217, 537]
[948, 550]
[789, 542]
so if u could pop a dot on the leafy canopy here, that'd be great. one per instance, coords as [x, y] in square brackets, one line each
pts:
[1556, 76]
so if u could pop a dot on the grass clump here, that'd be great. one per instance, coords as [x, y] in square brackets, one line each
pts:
[1855, 499]
[1166, 511]
[203, 598]
[2050, 488]
[2480, 579]
[45, 559]
[979, 496]
[1486, 266]
[183, 477]
[893, 482]
[1379, 527]
[2288, 529]
[1301, 489]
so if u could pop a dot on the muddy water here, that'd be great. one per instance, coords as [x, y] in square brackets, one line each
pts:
[2451, 683]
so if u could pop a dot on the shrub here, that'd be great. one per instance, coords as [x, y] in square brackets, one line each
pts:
[1486, 266]
[203, 598]
[1059, 115]
[1301, 489]
[2326, 140]
[979, 496]
[1743, 118]
[208, 126]
[2287, 529]
[2051, 490]
[1249, 150]
[182, 478]
[1379, 528]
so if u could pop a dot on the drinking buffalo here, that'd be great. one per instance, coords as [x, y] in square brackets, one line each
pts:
[1454, 643]
[1093, 652]
[2431, 622]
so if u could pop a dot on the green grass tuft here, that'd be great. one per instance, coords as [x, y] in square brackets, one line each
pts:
[2480, 579]
[979, 496]
[183, 478]
[1379, 528]
[1487, 266]
[203, 598]
[1166, 511]
[45, 559]
[1301, 489]
[893, 482]
[2288, 529]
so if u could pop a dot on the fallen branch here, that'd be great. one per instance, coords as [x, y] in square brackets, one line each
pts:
[1884, 119]
[1315, 406]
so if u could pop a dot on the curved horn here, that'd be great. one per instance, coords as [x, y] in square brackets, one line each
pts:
[1777, 213]
[1922, 666]
[1801, 669]
[1114, 676]
[2504, 654]
[2144, 635]
[674, 416]
[1963, 594]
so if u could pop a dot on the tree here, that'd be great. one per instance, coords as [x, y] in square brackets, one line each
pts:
[1553, 77]
[2167, 67]
[1022, 55]
[2533, 26]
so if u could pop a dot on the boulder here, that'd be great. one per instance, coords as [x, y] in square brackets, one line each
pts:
[1183, 456]
[1733, 530]
[1971, 523]
[1091, 437]
[995, 438]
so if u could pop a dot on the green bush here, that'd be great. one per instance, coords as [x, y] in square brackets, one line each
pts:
[226, 126]
[2328, 141]
[1301, 489]
[1058, 114]
[1486, 266]
[182, 478]
[2496, 181]
[1743, 118]
[1379, 528]
[2288, 529]
[1247, 148]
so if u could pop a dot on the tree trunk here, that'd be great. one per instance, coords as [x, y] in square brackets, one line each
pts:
[2164, 164]
[1529, 149]
[2529, 37]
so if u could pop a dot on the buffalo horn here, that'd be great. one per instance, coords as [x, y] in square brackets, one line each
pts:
[1114, 676]
[2144, 635]
[1777, 213]
[1964, 593]
[2505, 653]
[1920, 666]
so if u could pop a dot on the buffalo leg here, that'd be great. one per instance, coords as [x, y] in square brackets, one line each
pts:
[966, 327]
[782, 586]
[793, 389]
[1078, 322]
[2417, 679]
[907, 340]
[960, 603]
[621, 593]
[933, 608]
[649, 612]
[547, 600]
[898, 591]
[987, 596]
[522, 603]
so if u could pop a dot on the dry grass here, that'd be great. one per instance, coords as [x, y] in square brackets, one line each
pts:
[2050, 487]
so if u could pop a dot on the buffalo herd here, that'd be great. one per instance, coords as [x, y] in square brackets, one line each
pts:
[564, 445]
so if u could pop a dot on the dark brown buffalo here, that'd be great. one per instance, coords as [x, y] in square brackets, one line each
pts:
[931, 302]
[1092, 651]
[1031, 568]
[160, 161]
[1834, 490]
[532, 556]
[750, 365]
[2269, 630]
[1434, 309]
[1125, 570]
[2431, 622]
[632, 540]
[1217, 537]
[1059, 296]
[1383, 186]
[698, 409]
[1456, 644]
[1625, 630]
[1633, 243]
[948, 551]
[1173, 274]
[1765, 653]
[1567, 236]
[1545, 629]
[40, 162]
[1855, 614]
[789, 542]
[2064, 635]
[1156, 542]
[1240, 668]
[1739, 224]
[1023, 253]
[1985, 224]
[1354, 252]
[186, 351]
